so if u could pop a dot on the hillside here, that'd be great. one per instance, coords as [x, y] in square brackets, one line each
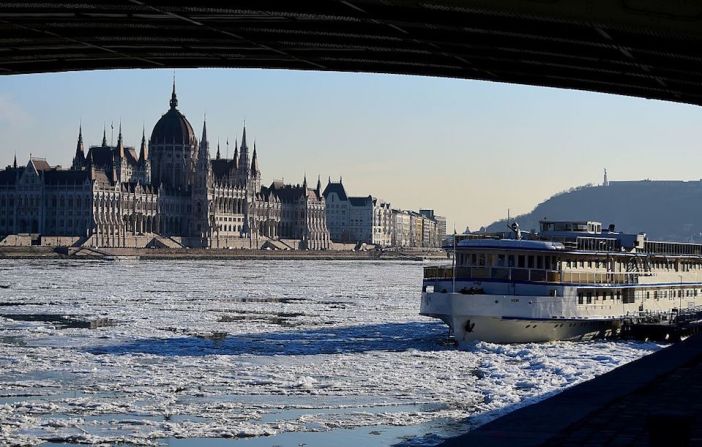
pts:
[664, 210]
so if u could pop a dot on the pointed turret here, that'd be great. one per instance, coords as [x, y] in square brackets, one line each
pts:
[79, 158]
[304, 183]
[143, 151]
[104, 136]
[120, 144]
[235, 158]
[174, 99]
[319, 184]
[79, 146]
[219, 155]
[244, 154]
[204, 153]
[14, 164]
[254, 163]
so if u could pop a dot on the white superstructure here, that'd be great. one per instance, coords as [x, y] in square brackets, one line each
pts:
[571, 281]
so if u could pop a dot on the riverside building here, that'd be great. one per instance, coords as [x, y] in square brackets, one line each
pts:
[169, 193]
[370, 220]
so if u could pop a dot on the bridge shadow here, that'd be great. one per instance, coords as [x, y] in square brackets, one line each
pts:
[389, 337]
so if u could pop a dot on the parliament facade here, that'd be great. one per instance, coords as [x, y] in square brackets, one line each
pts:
[169, 193]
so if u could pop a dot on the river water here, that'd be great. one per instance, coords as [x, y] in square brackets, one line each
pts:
[254, 353]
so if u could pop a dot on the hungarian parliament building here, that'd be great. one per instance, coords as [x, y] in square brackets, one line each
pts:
[171, 193]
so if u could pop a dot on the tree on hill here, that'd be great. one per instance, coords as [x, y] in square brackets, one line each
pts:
[664, 210]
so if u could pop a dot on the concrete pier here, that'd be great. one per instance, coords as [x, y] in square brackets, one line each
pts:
[653, 401]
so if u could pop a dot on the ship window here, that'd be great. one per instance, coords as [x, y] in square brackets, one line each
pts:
[530, 262]
[481, 259]
[500, 260]
[539, 262]
[473, 259]
[510, 260]
[520, 261]
[547, 262]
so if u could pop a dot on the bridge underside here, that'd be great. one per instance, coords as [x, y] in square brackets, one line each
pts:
[642, 48]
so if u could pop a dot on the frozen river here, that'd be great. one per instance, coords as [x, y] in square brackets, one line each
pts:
[253, 353]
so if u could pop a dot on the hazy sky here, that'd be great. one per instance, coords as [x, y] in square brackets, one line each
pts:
[468, 149]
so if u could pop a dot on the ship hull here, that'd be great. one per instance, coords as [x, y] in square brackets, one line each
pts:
[471, 328]
[483, 318]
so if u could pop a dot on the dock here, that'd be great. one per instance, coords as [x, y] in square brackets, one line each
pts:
[653, 401]
[666, 327]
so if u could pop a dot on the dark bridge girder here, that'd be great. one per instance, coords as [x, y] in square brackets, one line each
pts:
[645, 48]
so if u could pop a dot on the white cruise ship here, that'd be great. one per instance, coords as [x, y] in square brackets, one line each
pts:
[571, 281]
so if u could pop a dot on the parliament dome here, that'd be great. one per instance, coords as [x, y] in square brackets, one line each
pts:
[173, 127]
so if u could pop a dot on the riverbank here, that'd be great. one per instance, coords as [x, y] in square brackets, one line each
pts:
[655, 400]
[38, 252]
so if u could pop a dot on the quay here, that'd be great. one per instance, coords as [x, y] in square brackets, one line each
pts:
[40, 252]
[653, 401]
[670, 326]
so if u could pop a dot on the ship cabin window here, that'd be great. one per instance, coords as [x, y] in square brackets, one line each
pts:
[520, 261]
[500, 260]
[530, 262]
[510, 260]
[473, 259]
[539, 262]
[481, 259]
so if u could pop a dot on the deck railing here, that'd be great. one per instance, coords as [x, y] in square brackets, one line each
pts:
[534, 275]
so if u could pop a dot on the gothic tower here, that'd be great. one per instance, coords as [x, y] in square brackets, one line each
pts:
[255, 175]
[244, 164]
[202, 185]
[144, 162]
[79, 158]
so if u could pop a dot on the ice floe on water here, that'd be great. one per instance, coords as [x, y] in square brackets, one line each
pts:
[298, 351]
